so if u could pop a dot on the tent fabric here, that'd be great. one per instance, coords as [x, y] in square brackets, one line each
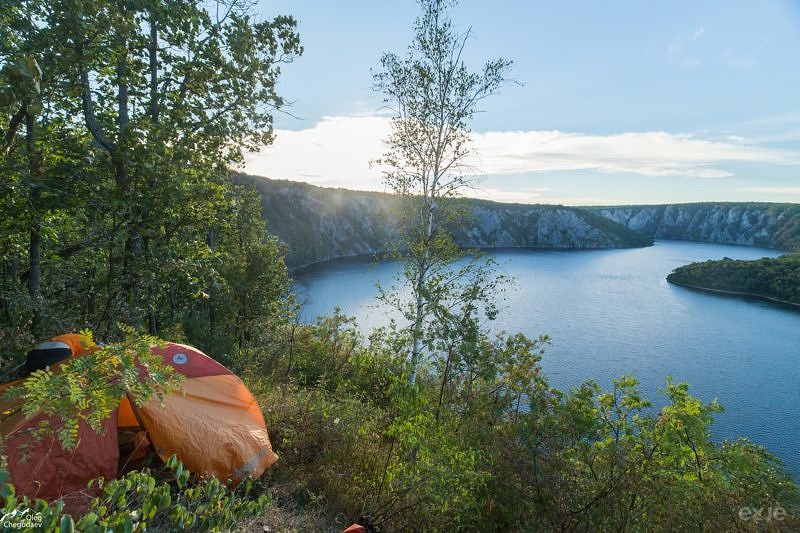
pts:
[214, 407]
[189, 361]
[50, 352]
[41, 468]
[78, 344]
[126, 417]
[213, 425]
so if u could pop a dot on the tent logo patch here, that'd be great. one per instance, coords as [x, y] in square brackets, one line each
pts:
[179, 358]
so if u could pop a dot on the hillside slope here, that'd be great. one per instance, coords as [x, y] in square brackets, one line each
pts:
[753, 224]
[319, 224]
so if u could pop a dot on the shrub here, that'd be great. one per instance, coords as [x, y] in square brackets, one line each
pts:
[141, 500]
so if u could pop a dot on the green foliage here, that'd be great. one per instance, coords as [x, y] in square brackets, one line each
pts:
[434, 96]
[243, 296]
[618, 466]
[115, 186]
[143, 501]
[497, 448]
[777, 278]
[89, 388]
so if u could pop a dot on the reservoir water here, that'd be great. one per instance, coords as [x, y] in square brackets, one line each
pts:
[611, 312]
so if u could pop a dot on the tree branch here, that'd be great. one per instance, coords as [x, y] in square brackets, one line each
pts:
[92, 124]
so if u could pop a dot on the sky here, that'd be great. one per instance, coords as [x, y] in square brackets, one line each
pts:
[612, 102]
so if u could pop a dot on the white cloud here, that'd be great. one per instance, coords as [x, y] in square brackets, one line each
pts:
[772, 129]
[679, 50]
[744, 60]
[790, 117]
[647, 153]
[336, 152]
[519, 196]
[772, 190]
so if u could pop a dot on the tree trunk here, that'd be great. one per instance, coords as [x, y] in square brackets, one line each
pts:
[212, 291]
[152, 321]
[35, 277]
[122, 91]
[35, 241]
[133, 241]
[152, 52]
[91, 296]
[421, 282]
[444, 379]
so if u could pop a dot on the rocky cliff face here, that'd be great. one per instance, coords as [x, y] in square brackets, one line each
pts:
[318, 224]
[752, 224]
[497, 225]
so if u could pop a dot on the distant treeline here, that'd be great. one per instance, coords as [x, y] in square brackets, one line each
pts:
[777, 278]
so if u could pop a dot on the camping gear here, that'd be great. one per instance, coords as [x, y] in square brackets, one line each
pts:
[213, 425]
[57, 349]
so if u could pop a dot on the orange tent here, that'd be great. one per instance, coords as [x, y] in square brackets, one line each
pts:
[213, 425]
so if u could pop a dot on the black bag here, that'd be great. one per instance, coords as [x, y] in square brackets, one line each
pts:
[46, 354]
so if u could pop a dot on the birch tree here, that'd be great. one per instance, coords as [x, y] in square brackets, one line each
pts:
[434, 96]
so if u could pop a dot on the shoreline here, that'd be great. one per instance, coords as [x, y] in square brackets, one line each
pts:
[793, 305]
[384, 255]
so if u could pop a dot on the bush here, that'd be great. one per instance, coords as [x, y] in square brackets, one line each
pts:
[481, 441]
[141, 500]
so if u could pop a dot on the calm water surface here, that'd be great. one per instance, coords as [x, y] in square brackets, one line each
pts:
[611, 312]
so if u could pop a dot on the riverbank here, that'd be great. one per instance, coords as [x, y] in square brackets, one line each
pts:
[735, 294]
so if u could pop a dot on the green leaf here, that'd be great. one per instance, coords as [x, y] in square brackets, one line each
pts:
[67, 524]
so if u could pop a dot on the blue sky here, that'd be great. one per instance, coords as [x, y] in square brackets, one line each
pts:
[618, 101]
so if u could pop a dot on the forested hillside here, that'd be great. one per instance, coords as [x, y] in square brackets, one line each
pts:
[318, 224]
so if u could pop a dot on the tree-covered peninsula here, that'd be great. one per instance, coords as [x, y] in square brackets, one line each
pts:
[775, 279]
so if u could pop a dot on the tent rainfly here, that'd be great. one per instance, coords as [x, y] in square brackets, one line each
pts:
[213, 425]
